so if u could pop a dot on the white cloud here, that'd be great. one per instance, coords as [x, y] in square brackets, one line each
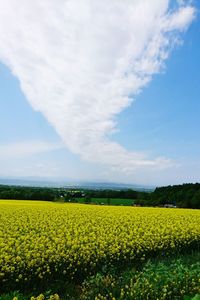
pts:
[24, 149]
[181, 19]
[80, 62]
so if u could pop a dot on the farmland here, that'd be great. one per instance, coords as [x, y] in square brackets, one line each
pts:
[110, 201]
[44, 242]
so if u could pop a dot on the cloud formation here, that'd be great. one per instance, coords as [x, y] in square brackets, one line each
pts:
[81, 62]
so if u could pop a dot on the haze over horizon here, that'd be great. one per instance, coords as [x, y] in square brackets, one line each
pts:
[100, 91]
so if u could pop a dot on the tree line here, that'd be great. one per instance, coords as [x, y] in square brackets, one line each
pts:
[185, 196]
[27, 193]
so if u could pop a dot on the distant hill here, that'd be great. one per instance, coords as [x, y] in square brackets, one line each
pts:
[35, 182]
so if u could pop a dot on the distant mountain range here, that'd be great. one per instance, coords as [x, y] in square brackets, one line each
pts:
[43, 182]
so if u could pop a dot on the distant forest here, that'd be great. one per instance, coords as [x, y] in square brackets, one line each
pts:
[185, 196]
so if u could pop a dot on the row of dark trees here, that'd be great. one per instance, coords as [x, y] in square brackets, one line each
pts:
[186, 195]
[27, 193]
[117, 194]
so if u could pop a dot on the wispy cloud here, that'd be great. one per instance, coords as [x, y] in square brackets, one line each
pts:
[27, 148]
[81, 62]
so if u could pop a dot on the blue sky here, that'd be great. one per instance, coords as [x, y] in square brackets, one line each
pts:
[165, 116]
[158, 132]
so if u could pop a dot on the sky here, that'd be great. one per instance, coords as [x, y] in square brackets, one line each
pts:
[100, 91]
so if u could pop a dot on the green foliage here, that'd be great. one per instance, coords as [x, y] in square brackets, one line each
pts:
[28, 193]
[157, 280]
[186, 195]
[87, 199]
[196, 297]
[14, 295]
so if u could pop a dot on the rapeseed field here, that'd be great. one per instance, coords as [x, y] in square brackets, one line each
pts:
[44, 241]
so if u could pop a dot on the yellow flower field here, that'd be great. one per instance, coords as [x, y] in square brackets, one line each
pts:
[40, 240]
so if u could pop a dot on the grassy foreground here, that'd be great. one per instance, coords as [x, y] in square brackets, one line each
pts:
[97, 252]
